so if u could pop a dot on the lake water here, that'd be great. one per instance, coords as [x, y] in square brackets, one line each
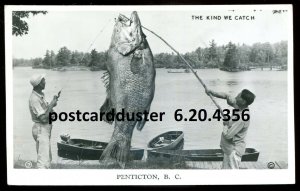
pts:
[84, 91]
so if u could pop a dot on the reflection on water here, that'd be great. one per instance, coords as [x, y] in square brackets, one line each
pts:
[84, 91]
[231, 83]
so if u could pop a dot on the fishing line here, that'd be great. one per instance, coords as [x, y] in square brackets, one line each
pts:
[95, 39]
[84, 53]
[104, 27]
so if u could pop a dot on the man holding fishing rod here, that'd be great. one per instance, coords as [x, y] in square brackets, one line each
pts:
[235, 129]
[39, 110]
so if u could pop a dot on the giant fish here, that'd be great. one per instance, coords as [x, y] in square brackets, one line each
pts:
[130, 84]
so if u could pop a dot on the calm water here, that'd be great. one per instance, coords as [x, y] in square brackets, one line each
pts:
[84, 91]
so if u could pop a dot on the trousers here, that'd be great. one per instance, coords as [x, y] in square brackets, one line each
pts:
[231, 161]
[42, 134]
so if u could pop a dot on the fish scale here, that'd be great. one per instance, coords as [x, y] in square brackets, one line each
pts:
[134, 83]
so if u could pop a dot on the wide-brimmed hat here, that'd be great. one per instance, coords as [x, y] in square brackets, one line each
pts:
[36, 79]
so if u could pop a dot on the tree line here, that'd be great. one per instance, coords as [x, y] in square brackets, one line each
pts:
[65, 57]
[229, 56]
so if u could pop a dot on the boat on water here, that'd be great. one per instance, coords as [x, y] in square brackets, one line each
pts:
[82, 149]
[169, 140]
[185, 71]
[251, 154]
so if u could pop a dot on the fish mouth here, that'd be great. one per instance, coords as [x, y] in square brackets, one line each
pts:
[133, 21]
[128, 33]
[135, 18]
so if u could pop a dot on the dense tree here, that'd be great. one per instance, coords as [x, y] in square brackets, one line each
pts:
[221, 50]
[63, 57]
[37, 63]
[244, 54]
[268, 52]
[164, 59]
[103, 57]
[262, 54]
[94, 58]
[19, 25]
[160, 60]
[231, 57]
[192, 57]
[241, 56]
[199, 52]
[52, 58]
[22, 62]
[280, 53]
[85, 59]
[47, 60]
[212, 52]
[75, 58]
[256, 54]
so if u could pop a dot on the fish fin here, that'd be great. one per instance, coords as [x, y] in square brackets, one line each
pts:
[106, 106]
[118, 149]
[140, 124]
[106, 80]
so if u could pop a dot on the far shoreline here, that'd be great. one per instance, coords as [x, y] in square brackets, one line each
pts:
[86, 68]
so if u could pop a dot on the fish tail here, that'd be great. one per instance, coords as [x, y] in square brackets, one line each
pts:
[117, 150]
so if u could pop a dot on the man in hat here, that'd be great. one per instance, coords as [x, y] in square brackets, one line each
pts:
[41, 130]
[235, 129]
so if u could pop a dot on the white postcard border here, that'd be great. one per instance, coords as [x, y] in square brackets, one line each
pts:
[108, 177]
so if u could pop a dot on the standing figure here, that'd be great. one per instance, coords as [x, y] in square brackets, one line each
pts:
[235, 130]
[41, 130]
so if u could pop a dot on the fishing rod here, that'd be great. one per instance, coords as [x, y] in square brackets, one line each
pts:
[184, 60]
[59, 92]
[95, 39]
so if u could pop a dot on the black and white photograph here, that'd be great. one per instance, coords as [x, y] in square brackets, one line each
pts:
[149, 95]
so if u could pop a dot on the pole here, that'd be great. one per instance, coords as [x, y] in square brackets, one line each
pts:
[191, 68]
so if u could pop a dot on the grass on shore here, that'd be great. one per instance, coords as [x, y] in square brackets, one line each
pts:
[95, 164]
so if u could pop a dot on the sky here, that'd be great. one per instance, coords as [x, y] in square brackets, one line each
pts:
[84, 30]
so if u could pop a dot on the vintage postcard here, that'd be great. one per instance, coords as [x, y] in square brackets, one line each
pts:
[149, 95]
